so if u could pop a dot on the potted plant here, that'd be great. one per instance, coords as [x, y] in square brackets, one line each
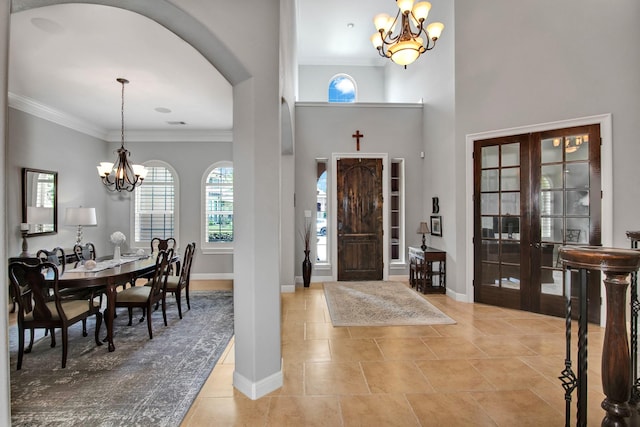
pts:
[306, 264]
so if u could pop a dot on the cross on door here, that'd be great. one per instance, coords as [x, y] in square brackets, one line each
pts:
[357, 136]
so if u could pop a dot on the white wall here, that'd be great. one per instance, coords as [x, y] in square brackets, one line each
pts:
[314, 82]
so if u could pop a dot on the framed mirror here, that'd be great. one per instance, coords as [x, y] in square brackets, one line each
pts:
[40, 201]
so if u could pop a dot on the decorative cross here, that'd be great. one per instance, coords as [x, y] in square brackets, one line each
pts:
[357, 136]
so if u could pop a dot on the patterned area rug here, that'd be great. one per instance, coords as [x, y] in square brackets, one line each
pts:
[379, 304]
[142, 383]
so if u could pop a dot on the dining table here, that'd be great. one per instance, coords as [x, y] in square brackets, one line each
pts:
[110, 274]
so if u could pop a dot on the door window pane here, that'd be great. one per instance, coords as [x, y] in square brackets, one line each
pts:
[551, 150]
[510, 203]
[510, 154]
[490, 157]
[577, 147]
[510, 179]
[489, 180]
[577, 175]
[489, 204]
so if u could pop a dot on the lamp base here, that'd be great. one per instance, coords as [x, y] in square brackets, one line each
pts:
[424, 245]
[25, 248]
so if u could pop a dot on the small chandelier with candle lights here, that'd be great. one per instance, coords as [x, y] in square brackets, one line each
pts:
[571, 143]
[121, 176]
[406, 46]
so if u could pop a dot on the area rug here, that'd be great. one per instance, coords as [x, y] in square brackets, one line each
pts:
[142, 383]
[379, 304]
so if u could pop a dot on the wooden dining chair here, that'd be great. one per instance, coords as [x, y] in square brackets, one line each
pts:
[159, 244]
[146, 296]
[44, 312]
[175, 284]
[56, 256]
[84, 252]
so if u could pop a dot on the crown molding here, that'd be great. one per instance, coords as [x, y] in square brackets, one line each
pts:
[171, 136]
[30, 106]
[37, 109]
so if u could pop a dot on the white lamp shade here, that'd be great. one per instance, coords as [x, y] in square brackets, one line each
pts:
[421, 10]
[39, 215]
[80, 216]
[435, 30]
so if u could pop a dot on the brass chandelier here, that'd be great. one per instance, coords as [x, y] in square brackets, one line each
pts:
[121, 176]
[407, 45]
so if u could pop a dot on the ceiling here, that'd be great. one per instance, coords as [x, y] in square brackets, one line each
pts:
[64, 61]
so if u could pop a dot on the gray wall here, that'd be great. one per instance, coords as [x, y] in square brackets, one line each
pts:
[40, 144]
[314, 82]
[324, 129]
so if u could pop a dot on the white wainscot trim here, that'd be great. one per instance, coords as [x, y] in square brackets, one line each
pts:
[256, 390]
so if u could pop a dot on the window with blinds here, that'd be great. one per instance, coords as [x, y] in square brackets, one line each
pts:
[218, 210]
[155, 202]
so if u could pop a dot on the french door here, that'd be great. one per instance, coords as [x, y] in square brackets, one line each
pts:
[534, 193]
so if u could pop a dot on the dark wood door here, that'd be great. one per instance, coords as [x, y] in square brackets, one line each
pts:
[359, 202]
[534, 193]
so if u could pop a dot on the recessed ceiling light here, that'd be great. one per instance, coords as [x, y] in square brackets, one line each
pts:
[351, 25]
[47, 25]
[163, 110]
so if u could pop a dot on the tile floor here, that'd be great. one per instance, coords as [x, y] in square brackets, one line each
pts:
[495, 367]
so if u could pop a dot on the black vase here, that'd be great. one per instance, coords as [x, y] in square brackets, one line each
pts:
[306, 270]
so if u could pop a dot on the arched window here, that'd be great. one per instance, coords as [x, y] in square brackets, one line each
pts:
[217, 207]
[155, 213]
[342, 88]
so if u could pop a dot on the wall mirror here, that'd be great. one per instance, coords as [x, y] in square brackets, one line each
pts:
[40, 201]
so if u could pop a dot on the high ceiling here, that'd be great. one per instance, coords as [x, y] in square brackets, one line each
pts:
[64, 61]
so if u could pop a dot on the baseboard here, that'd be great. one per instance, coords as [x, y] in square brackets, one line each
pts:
[287, 289]
[256, 390]
[457, 296]
[212, 276]
[399, 278]
[314, 279]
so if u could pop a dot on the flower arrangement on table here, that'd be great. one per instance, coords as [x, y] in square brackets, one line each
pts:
[117, 238]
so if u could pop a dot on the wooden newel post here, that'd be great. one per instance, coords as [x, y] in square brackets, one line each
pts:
[616, 264]
[616, 373]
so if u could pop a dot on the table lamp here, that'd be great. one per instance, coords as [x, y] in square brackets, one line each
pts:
[423, 229]
[80, 217]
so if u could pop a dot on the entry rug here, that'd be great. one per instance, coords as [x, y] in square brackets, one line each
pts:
[142, 383]
[375, 303]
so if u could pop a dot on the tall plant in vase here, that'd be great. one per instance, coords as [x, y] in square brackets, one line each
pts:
[306, 264]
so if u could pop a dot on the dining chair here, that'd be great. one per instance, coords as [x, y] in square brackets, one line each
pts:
[44, 312]
[146, 296]
[56, 256]
[159, 244]
[84, 252]
[175, 284]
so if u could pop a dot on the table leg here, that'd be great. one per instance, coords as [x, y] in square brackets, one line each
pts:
[110, 314]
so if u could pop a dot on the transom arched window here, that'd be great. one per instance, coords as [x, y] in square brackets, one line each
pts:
[342, 88]
[217, 207]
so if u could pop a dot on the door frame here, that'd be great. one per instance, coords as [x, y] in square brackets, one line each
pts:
[334, 208]
[606, 164]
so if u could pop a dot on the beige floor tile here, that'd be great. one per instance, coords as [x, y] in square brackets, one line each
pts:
[453, 348]
[308, 411]
[333, 378]
[453, 375]
[393, 331]
[397, 376]
[509, 373]
[389, 410]
[405, 349]
[315, 331]
[346, 350]
[441, 375]
[220, 383]
[506, 408]
[227, 411]
[450, 409]
[306, 351]
[500, 346]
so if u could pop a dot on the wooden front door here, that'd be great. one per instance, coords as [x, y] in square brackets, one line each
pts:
[359, 202]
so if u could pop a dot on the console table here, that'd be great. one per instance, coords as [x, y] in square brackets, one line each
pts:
[422, 261]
